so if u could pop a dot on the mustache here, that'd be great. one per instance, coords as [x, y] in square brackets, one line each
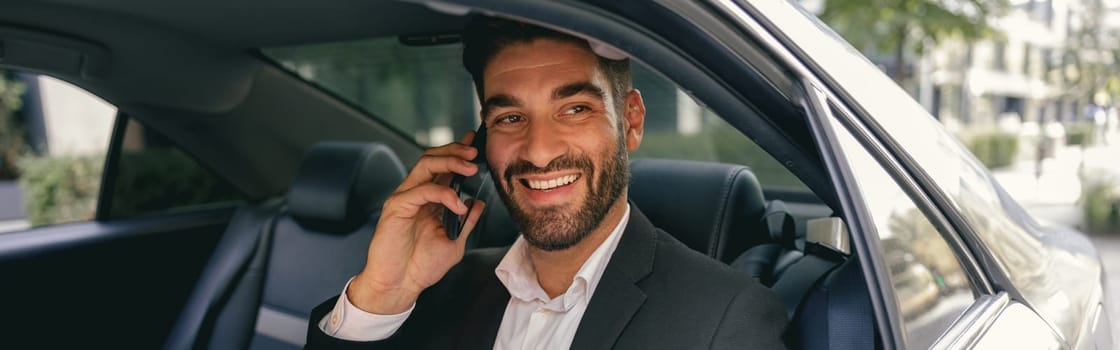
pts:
[567, 161]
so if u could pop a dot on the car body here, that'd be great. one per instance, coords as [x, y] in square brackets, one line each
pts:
[946, 257]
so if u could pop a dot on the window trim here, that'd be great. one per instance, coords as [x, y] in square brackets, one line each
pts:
[109, 169]
[971, 326]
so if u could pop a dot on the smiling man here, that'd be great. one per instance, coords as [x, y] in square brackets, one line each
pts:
[588, 271]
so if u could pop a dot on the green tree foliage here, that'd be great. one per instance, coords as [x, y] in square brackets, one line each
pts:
[60, 189]
[1091, 57]
[1100, 203]
[387, 78]
[12, 144]
[896, 26]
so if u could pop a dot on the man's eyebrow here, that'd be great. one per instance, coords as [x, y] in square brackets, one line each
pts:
[499, 101]
[583, 87]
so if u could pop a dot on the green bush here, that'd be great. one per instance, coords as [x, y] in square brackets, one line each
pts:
[994, 149]
[719, 144]
[1100, 205]
[157, 179]
[1080, 134]
[65, 189]
[12, 143]
[60, 189]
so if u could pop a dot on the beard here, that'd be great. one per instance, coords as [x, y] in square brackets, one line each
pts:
[560, 227]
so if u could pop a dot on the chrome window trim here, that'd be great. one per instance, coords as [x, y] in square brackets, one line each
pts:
[967, 330]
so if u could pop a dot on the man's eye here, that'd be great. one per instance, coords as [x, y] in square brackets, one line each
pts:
[577, 109]
[508, 119]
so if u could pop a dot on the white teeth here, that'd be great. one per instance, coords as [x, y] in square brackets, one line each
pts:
[554, 183]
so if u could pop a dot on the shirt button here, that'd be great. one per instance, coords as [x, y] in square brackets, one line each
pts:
[335, 319]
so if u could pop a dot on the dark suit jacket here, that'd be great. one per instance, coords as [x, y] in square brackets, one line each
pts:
[655, 293]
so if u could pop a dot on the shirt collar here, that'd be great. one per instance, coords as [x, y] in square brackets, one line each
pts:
[516, 272]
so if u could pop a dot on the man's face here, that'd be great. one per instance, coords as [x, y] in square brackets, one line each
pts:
[556, 144]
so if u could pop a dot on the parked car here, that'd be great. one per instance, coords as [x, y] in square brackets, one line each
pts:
[221, 248]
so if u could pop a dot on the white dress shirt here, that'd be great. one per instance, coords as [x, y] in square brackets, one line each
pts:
[531, 320]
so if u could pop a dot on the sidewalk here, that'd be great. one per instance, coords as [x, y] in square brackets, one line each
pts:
[1050, 195]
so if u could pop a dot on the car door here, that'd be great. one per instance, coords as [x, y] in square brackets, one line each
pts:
[116, 227]
[933, 292]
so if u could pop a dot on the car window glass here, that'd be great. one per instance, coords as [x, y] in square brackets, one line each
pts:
[53, 140]
[152, 175]
[930, 285]
[382, 76]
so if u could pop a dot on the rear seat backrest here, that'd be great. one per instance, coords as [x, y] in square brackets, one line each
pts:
[333, 205]
[713, 208]
[304, 255]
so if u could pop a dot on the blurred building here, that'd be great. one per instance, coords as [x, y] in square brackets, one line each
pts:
[1033, 71]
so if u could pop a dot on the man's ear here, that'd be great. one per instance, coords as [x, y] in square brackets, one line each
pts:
[634, 112]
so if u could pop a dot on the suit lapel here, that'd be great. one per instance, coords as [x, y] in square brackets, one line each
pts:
[617, 297]
[480, 328]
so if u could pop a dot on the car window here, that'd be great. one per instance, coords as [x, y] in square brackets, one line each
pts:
[382, 75]
[930, 285]
[153, 176]
[54, 138]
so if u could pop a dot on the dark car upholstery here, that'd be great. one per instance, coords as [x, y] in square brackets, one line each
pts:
[263, 280]
[713, 208]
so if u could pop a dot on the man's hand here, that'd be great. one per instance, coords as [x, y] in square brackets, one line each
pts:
[410, 250]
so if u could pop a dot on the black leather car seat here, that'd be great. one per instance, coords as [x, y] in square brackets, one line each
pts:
[273, 274]
[821, 286]
[767, 261]
[713, 208]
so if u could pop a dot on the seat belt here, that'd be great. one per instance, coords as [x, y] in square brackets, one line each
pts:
[249, 276]
[800, 277]
[826, 247]
[232, 254]
[849, 307]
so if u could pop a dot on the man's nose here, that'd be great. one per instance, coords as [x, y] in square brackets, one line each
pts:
[545, 142]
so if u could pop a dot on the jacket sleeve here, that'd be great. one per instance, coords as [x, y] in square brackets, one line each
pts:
[754, 319]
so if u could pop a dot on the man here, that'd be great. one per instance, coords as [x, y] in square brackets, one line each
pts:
[588, 271]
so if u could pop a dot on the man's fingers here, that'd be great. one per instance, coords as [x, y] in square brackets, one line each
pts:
[414, 199]
[431, 166]
[477, 208]
[468, 138]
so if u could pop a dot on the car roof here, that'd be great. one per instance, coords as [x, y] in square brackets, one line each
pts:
[248, 24]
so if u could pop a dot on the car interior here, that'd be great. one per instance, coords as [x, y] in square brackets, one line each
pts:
[223, 82]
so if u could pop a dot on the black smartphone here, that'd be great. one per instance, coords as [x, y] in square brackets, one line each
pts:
[453, 223]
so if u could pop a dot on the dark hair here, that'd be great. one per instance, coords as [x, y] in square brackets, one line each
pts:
[485, 36]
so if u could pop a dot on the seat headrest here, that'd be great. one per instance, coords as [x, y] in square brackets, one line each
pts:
[340, 184]
[713, 208]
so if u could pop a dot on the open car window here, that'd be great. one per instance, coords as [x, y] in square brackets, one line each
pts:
[424, 92]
